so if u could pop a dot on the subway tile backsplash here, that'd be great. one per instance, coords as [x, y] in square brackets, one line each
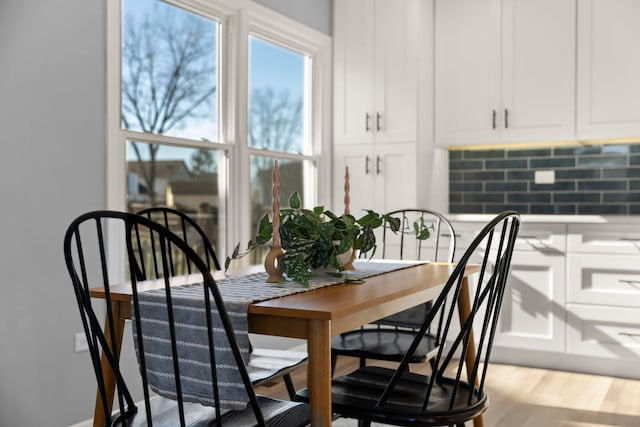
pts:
[589, 180]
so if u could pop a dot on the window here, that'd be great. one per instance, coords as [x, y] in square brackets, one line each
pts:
[169, 64]
[181, 82]
[278, 123]
[169, 87]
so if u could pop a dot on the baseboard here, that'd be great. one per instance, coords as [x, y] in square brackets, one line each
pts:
[611, 367]
[86, 423]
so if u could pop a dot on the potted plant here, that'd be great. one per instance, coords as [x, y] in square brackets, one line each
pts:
[315, 238]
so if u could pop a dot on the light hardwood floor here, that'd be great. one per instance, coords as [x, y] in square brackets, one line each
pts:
[527, 397]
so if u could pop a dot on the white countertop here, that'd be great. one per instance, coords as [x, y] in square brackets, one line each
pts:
[557, 219]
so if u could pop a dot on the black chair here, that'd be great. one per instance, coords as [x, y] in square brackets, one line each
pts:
[265, 365]
[454, 392]
[149, 247]
[393, 335]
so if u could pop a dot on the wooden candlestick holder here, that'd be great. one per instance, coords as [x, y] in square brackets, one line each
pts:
[273, 259]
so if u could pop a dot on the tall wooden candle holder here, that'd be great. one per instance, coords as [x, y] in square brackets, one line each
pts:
[273, 260]
[347, 201]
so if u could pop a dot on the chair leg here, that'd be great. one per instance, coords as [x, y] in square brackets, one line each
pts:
[334, 360]
[288, 382]
[364, 423]
[363, 362]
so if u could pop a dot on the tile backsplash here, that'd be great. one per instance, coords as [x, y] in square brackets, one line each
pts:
[589, 180]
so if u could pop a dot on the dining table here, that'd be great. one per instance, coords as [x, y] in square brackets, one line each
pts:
[315, 316]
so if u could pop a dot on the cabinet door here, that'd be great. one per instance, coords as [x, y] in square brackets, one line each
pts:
[532, 315]
[395, 184]
[353, 44]
[361, 161]
[608, 69]
[467, 71]
[396, 52]
[538, 70]
[381, 178]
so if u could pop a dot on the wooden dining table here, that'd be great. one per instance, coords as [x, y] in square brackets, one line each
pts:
[316, 316]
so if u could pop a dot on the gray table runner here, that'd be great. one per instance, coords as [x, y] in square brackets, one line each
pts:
[191, 331]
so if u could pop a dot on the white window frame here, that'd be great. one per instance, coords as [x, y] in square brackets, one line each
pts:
[238, 19]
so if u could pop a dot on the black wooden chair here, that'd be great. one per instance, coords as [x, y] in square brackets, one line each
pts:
[265, 365]
[391, 337]
[454, 392]
[149, 248]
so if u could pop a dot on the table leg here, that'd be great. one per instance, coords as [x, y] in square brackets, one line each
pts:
[108, 375]
[464, 308]
[319, 372]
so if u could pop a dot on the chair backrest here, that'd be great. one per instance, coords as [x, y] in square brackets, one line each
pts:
[187, 228]
[440, 246]
[150, 250]
[471, 338]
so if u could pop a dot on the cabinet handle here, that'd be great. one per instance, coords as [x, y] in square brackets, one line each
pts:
[629, 282]
[378, 117]
[366, 165]
[456, 235]
[493, 119]
[377, 165]
[506, 118]
[630, 239]
[529, 237]
[367, 120]
[629, 334]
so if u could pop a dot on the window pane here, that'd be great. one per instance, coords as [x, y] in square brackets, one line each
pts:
[291, 180]
[185, 179]
[169, 63]
[277, 81]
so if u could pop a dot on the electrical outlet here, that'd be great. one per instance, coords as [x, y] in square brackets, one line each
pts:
[544, 177]
[80, 342]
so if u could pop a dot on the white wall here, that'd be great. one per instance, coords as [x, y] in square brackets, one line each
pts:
[314, 13]
[52, 127]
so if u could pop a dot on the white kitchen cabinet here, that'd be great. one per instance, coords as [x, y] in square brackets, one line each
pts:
[505, 71]
[382, 177]
[608, 78]
[376, 51]
[603, 291]
[573, 296]
[532, 315]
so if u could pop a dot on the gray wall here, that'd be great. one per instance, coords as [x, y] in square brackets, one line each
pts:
[52, 167]
[314, 13]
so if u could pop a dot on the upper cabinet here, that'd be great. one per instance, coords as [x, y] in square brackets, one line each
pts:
[376, 70]
[608, 69]
[504, 71]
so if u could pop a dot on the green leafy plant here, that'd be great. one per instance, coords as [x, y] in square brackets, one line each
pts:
[314, 238]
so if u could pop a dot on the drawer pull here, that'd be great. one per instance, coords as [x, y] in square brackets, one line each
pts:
[629, 282]
[530, 237]
[629, 334]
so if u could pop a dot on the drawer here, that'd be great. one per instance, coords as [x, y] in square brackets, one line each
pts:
[603, 331]
[604, 238]
[603, 279]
